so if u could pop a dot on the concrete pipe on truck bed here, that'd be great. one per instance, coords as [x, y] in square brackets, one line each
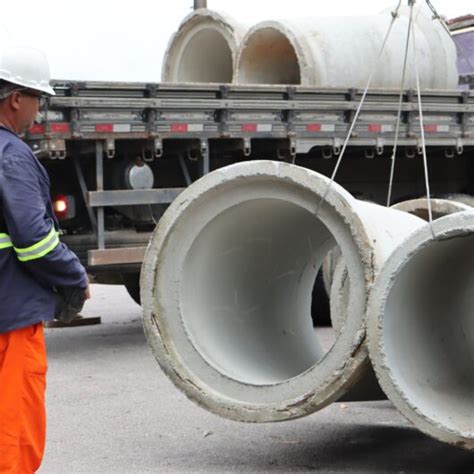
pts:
[203, 49]
[342, 51]
[227, 282]
[421, 329]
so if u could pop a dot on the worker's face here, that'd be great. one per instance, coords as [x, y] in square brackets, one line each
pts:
[24, 107]
[30, 105]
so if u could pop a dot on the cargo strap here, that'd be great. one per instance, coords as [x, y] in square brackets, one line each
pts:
[40, 249]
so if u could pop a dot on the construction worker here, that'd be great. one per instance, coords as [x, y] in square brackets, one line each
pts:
[34, 264]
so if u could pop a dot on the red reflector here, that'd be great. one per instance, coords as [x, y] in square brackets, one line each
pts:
[179, 127]
[36, 129]
[64, 207]
[60, 128]
[313, 127]
[374, 128]
[104, 128]
[431, 128]
[249, 127]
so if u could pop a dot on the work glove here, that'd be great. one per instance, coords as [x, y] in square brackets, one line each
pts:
[69, 302]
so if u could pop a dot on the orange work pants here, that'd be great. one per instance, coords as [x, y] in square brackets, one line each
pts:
[22, 400]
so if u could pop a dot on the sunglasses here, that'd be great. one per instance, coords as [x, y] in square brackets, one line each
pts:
[43, 99]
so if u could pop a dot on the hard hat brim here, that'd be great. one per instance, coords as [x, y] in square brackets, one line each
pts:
[48, 90]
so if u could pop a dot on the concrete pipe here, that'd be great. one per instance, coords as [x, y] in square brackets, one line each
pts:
[421, 329]
[417, 207]
[227, 282]
[439, 207]
[203, 49]
[369, 389]
[342, 51]
[466, 199]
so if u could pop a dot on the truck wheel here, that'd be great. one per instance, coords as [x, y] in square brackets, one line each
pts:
[132, 283]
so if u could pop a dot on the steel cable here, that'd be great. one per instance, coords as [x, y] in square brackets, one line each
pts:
[399, 114]
[359, 108]
[460, 49]
[422, 132]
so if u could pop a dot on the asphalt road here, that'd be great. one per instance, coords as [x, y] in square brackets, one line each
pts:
[112, 410]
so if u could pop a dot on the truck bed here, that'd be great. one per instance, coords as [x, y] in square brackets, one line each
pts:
[92, 130]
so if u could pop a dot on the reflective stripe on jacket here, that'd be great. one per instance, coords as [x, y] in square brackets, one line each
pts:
[32, 259]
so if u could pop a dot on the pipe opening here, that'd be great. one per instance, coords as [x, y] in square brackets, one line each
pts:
[247, 288]
[207, 57]
[269, 58]
[429, 332]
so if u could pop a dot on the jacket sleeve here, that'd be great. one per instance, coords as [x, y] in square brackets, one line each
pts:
[32, 232]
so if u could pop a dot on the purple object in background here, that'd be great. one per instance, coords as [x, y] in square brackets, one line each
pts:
[462, 29]
[466, 42]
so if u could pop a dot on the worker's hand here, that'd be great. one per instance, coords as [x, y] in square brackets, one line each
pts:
[69, 302]
[87, 293]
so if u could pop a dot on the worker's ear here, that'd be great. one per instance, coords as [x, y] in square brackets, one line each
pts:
[15, 100]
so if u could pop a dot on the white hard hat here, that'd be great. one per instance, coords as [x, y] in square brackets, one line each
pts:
[27, 67]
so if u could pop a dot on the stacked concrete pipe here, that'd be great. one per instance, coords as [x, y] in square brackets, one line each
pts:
[421, 329]
[342, 52]
[227, 282]
[204, 49]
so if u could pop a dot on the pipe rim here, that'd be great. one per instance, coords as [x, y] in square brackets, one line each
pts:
[156, 323]
[196, 21]
[440, 207]
[459, 224]
[302, 52]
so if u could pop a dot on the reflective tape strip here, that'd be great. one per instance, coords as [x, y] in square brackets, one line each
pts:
[40, 249]
[5, 241]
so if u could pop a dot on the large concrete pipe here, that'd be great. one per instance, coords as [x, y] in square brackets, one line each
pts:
[368, 388]
[417, 207]
[342, 51]
[466, 199]
[227, 282]
[203, 49]
[439, 207]
[421, 329]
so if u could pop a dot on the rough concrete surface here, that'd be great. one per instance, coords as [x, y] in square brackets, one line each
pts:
[319, 52]
[111, 410]
[420, 329]
[238, 339]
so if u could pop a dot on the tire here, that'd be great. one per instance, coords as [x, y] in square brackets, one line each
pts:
[132, 284]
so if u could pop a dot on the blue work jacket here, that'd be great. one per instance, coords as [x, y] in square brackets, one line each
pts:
[33, 261]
